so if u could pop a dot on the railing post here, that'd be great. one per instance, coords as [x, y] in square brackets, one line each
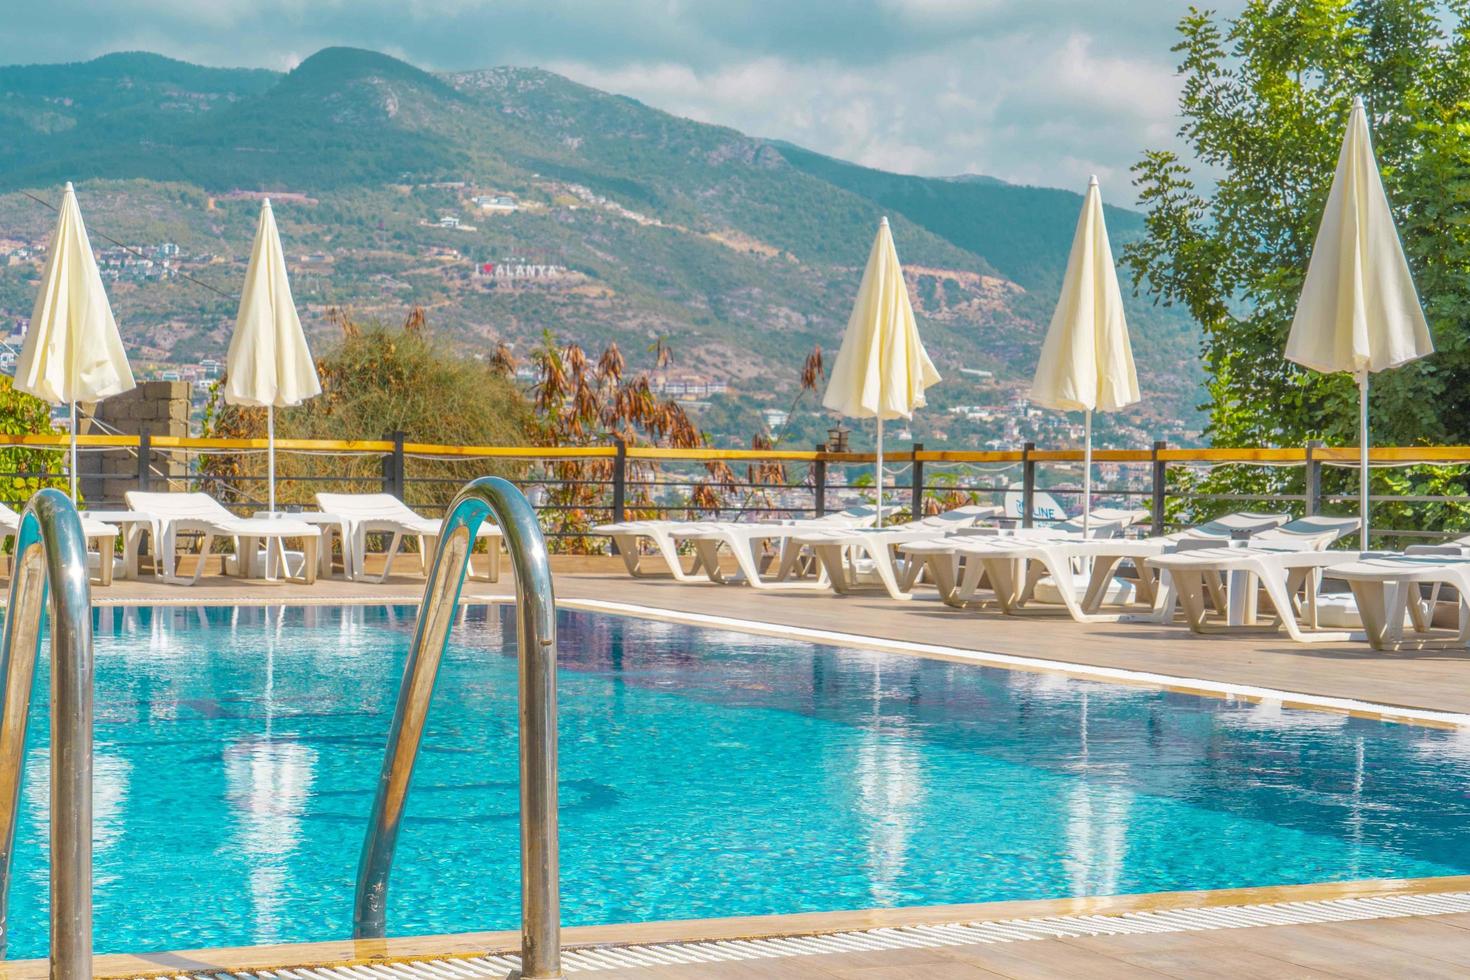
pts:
[619, 489]
[819, 483]
[1313, 478]
[1028, 483]
[918, 474]
[1160, 487]
[145, 459]
[394, 478]
[620, 482]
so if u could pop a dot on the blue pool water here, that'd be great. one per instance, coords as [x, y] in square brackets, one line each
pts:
[703, 774]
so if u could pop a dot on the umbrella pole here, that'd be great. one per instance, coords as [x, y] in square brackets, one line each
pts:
[878, 467]
[1086, 472]
[270, 452]
[73, 467]
[1363, 476]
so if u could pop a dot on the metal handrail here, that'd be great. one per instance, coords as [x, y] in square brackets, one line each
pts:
[536, 638]
[51, 556]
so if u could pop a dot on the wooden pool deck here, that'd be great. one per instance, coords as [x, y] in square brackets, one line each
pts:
[1410, 940]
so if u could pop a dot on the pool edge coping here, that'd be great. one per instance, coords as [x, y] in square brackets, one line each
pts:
[338, 953]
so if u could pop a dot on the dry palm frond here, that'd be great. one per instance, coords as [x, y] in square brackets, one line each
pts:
[503, 361]
[610, 364]
[812, 371]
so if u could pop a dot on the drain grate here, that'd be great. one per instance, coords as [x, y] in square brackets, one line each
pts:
[591, 959]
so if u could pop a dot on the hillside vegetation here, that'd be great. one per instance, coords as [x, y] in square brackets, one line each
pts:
[742, 252]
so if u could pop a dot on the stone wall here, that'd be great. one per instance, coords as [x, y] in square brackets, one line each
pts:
[159, 408]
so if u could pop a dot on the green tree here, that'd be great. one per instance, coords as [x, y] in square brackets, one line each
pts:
[27, 470]
[377, 380]
[1264, 106]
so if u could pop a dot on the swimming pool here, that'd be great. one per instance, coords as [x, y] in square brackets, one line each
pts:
[703, 774]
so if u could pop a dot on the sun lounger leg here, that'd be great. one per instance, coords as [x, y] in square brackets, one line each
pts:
[831, 558]
[707, 559]
[309, 548]
[1372, 602]
[670, 551]
[1276, 590]
[1215, 588]
[942, 569]
[1003, 573]
[392, 553]
[970, 581]
[883, 561]
[1190, 589]
[789, 567]
[204, 548]
[105, 546]
[627, 546]
[1099, 582]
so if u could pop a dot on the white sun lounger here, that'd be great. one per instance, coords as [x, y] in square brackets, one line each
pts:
[745, 542]
[1015, 568]
[942, 557]
[665, 537]
[1386, 590]
[199, 513]
[1282, 571]
[99, 535]
[383, 513]
[846, 554]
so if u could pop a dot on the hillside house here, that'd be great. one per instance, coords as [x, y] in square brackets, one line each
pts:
[496, 203]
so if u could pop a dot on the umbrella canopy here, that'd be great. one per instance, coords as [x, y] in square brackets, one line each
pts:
[1359, 311]
[1087, 360]
[269, 364]
[882, 370]
[72, 352]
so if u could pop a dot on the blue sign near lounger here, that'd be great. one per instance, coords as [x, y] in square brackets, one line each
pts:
[1044, 507]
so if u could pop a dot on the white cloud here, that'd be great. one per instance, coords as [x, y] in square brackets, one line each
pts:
[1027, 108]
[1036, 91]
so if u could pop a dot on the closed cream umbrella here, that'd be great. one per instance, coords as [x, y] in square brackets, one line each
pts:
[1086, 361]
[1359, 312]
[269, 365]
[882, 370]
[72, 351]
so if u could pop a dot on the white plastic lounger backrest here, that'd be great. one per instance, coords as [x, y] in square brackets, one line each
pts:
[965, 516]
[1125, 516]
[178, 506]
[1095, 528]
[1314, 532]
[865, 514]
[366, 506]
[1240, 521]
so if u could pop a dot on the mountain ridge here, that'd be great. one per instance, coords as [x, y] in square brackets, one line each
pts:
[743, 251]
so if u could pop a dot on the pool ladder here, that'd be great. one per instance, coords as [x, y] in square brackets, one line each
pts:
[51, 556]
[536, 639]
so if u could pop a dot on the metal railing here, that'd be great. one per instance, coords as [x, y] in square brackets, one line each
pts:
[621, 481]
[536, 640]
[51, 556]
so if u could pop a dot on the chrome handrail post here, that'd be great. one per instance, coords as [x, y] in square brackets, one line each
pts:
[536, 641]
[51, 557]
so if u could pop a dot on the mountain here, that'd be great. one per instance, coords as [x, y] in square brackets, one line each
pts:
[742, 252]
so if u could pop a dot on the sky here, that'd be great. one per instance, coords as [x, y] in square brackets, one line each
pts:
[1040, 92]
